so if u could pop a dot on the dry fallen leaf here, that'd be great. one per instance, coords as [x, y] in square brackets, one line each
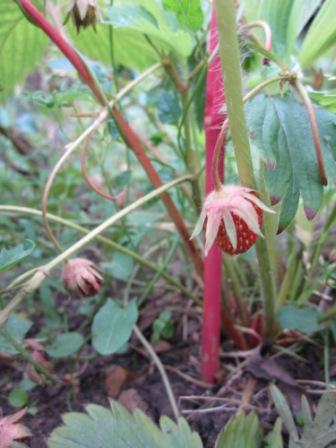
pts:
[132, 400]
[268, 369]
[116, 378]
[10, 430]
[162, 346]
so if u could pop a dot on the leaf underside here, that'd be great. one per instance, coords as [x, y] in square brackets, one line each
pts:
[280, 129]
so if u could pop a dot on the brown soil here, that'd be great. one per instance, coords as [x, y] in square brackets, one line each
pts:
[53, 400]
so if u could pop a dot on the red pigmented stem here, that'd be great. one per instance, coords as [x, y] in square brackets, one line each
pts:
[268, 36]
[219, 147]
[129, 135]
[134, 142]
[212, 309]
[267, 30]
[313, 123]
[38, 18]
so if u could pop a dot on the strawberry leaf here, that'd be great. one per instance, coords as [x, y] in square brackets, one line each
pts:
[117, 428]
[280, 129]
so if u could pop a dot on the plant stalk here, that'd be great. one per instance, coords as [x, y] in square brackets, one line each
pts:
[212, 296]
[109, 242]
[129, 135]
[230, 57]
[44, 270]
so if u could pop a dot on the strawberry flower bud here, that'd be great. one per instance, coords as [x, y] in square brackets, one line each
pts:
[233, 217]
[83, 13]
[82, 277]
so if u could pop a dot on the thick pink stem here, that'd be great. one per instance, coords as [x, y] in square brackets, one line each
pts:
[213, 120]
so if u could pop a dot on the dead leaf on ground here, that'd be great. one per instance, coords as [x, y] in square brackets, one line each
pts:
[162, 346]
[10, 430]
[116, 378]
[268, 369]
[131, 399]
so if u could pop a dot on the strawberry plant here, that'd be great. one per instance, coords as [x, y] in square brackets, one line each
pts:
[242, 430]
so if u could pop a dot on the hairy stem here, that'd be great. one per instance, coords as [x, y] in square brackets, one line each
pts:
[109, 242]
[212, 296]
[229, 51]
[44, 270]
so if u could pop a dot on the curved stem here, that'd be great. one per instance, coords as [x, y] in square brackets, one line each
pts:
[44, 270]
[161, 369]
[282, 76]
[268, 34]
[220, 143]
[313, 123]
[90, 183]
[71, 147]
[129, 135]
[109, 242]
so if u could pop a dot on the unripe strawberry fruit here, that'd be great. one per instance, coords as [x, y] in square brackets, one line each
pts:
[233, 218]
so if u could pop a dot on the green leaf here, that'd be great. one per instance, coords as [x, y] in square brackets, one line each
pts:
[188, 12]
[116, 428]
[283, 16]
[112, 326]
[284, 411]
[22, 45]
[241, 431]
[167, 105]
[179, 435]
[65, 344]
[17, 327]
[321, 431]
[274, 438]
[302, 11]
[301, 319]
[131, 21]
[18, 397]
[120, 267]
[10, 257]
[318, 432]
[326, 99]
[281, 130]
[321, 35]
[162, 326]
